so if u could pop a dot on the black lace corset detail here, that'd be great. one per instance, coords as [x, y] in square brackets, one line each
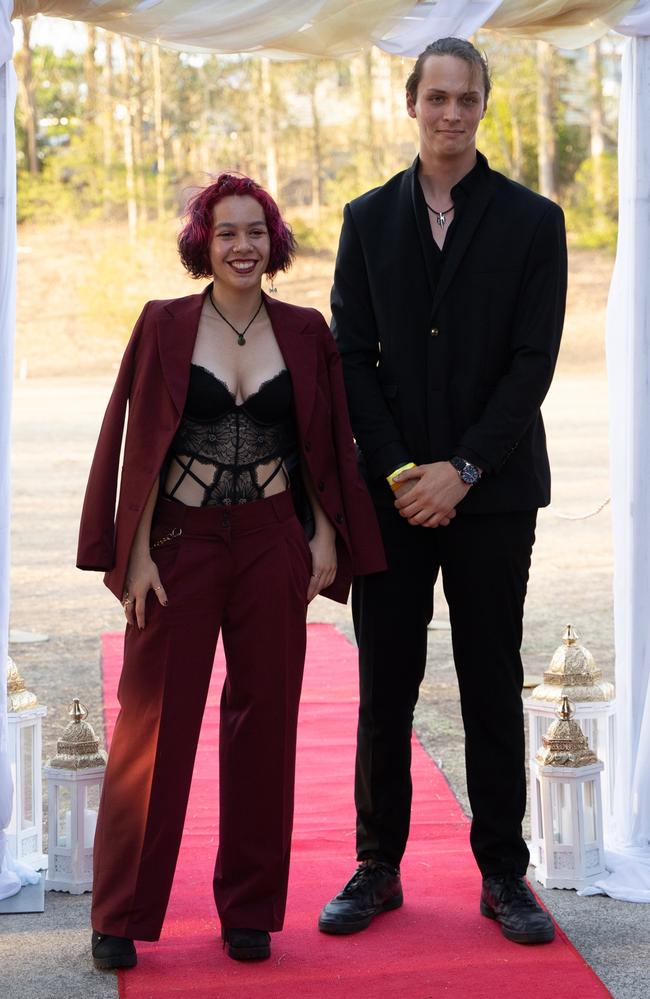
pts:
[221, 444]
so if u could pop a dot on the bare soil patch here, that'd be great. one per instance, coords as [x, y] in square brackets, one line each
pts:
[81, 288]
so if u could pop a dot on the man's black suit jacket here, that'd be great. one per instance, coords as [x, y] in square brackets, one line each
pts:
[461, 364]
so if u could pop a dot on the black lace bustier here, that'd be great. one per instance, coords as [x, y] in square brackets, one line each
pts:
[221, 444]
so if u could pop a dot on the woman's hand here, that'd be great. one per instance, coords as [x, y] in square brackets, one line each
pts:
[323, 560]
[142, 576]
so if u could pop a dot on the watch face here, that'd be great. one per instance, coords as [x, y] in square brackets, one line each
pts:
[470, 474]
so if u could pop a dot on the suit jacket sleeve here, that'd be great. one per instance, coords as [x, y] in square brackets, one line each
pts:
[362, 531]
[356, 335]
[96, 532]
[537, 330]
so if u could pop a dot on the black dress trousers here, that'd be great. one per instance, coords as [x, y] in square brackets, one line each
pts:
[484, 560]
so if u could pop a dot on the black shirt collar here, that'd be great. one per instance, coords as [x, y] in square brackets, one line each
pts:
[467, 184]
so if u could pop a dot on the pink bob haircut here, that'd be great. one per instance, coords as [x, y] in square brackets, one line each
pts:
[196, 235]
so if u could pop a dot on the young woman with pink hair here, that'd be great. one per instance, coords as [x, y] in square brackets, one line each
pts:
[239, 501]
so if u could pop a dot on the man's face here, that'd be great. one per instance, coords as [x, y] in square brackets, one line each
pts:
[449, 106]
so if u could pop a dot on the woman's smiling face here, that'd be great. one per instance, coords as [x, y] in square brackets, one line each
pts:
[240, 246]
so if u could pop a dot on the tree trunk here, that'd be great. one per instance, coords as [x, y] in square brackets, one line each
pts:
[28, 95]
[597, 122]
[316, 147]
[517, 150]
[90, 72]
[269, 130]
[256, 121]
[137, 119]
[127, 130]
[108, 130]
[546, 149]
[367, 111]
[160, 139]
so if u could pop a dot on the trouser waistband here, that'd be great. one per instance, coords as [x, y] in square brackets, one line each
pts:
[208, 520]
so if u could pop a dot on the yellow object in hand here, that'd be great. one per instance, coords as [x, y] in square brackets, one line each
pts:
[390, 479]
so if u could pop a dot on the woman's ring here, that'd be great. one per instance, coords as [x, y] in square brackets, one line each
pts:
[157, 587]
[126, 603]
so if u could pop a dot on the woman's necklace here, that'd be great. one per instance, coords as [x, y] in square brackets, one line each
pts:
[241, 337]
[441, 216]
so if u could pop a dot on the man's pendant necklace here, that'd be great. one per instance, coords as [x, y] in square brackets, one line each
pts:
[441, 217]
[241, 337]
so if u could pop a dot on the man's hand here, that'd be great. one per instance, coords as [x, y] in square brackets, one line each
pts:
[429, 494]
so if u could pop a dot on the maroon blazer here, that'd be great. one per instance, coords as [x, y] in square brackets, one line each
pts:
[153, 379]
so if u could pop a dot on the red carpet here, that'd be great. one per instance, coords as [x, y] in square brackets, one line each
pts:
[437, 945]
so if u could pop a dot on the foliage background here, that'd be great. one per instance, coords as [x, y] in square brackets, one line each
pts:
[114, 134]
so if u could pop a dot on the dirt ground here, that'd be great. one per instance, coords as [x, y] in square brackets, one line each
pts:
[66, 356]
[80, 291]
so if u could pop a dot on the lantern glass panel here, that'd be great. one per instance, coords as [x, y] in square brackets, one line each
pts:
[91, 807]
[589, 810]
[27, 776]
[63, 816]
[561, 808]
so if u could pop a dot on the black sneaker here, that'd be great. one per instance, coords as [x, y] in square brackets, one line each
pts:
[509, 900]
[247, 945]
[373, 888]
[112, 952]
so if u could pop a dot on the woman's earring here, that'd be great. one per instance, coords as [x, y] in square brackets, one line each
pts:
[271, 286]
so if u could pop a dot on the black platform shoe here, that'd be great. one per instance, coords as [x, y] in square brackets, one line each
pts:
[246, 945]
[509, 900]
[374, 887]
[112, 952]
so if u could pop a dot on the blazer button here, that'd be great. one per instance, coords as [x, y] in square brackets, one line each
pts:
[338, 517]
[321, 486]
[435, 331]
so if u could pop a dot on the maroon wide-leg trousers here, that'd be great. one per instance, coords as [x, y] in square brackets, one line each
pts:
[243, 570]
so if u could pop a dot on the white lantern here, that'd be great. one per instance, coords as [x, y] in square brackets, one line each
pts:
[25, 741]
[573, 673]
[569, 807]
[74, 781]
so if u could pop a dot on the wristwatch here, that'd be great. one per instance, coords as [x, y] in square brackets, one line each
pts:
[469, 474]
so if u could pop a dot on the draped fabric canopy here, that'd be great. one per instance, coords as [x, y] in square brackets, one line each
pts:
[332, 28]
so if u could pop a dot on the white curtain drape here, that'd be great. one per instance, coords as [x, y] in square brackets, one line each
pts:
[334, 27]
[9, 881]
[567, 23]
[637, 22]
[628, 366]
[426, 22]
[291, 28]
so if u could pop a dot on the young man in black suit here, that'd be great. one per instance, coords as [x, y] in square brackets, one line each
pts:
[448, 304]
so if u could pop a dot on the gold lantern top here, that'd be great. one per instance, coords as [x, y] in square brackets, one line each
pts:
[18, 697]
[78, 747]
[573, 673]
[565, 744]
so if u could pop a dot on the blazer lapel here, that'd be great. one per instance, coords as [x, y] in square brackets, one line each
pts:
[469, 220]
[179, 324]
[177, 328]
[422, 223]
[298, 346]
